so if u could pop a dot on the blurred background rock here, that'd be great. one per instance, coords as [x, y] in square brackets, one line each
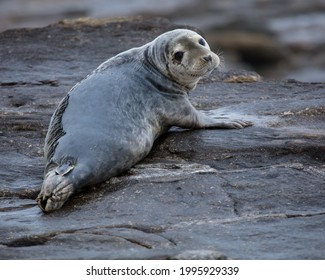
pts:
[279, 39]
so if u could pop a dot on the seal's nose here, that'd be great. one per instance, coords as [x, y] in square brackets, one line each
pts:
[207, 58]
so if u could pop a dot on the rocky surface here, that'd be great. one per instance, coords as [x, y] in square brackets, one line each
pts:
[256, 193]
[278, 39]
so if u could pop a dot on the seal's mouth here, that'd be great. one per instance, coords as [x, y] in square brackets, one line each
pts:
[204, 67]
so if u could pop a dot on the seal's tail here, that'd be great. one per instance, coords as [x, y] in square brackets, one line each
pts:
[56, 189]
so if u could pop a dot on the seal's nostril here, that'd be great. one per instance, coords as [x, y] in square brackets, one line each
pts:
[207, 58]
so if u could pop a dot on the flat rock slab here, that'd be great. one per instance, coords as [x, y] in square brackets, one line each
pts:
[256, 193]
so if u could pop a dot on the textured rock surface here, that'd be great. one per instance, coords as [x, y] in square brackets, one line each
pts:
[256, 193]
[278, 39]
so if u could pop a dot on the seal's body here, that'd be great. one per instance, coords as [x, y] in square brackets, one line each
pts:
[110, 120]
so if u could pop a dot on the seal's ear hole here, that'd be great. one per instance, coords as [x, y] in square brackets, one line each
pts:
[179, 56]
[202, 42]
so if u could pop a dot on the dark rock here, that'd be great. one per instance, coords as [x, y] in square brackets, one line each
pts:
[256, 193]
[278, 39]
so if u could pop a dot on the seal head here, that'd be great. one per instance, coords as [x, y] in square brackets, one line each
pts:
[183, 56]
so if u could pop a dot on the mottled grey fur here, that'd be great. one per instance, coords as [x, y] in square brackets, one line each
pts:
[110, 120]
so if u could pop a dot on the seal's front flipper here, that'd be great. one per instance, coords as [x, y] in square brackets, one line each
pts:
[236, 124]
[188, 117]
[206, 121]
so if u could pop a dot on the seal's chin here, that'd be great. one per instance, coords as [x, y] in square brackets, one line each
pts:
[193, 76]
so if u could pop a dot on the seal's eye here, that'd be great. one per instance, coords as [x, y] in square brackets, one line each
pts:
[202, 42]
[179, 56]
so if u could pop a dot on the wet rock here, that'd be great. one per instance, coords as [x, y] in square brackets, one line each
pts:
[278, 39]
[256, 193]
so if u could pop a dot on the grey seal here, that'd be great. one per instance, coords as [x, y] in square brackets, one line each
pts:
[110, 120]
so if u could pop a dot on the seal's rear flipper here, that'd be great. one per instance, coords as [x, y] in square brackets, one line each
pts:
[56, 190]
[57, 186]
